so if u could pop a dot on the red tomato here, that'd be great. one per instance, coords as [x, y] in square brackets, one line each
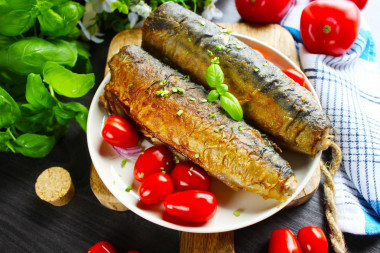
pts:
[283, 241]
[262, 11]
[154, 159]
[296, 76]
[192, 205]
[360, 3]
[330, 27]
[102, 247]
[313, 240]
[155, 187]
[188, 176]
[119, 132]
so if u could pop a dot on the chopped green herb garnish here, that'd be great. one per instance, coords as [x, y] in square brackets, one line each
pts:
[180, 90]
[199, 110]
[193, 50]
[237, 213]
[166, 59]
[142, 175]
[123, 162]
[228, 50]
[129, 188]
[239, 47]
[263, 135]
[204, 100]
[216, 130]
[265, 64]
[176, 160]
[241, 128]
[162, 168]
[159, 92]
[203, 23]
[226, 31]
[232, 127]
[189, 39]
[162, 93]
[215, 60]
[211, 115]
[120, 175]
[192, 99]
[191, 168]
[187, 53]
[219, 47]
[222, 126]
[163, 82]
[164, 172]
[174, 89]
[187, 77]
[256, 69]
[179, 113]
[272, 123]
[114, 182]
[129, 85]
[142, 153]
[209, 53]
[196, 155]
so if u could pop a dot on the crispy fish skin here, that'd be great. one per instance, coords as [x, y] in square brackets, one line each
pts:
[231, 151]
[271, 101]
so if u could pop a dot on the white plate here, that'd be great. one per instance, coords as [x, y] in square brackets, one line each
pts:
[252, 207]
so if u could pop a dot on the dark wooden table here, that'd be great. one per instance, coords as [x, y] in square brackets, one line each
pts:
[28, 224]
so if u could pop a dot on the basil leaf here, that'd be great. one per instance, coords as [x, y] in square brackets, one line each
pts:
[35, 120]
[222, 88]
[16, 17]
[212, 96]
[67, 83]
[37, 94]
[30, 55]
[83, 64]
[6, 41]
[21, 4]
[10, 112]
[232, 106]
[81, 113]
[34, 145]
[5, 142]
[63, 116]
[50, 22]
[214, 75]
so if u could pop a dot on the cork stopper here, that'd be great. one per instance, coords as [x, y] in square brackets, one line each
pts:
[54, 185]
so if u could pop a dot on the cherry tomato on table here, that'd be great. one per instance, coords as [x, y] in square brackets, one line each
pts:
[296, 76]
[192, 205]
[117, 131]
[154, 188]
[360, 3]
[313, 240]
[154, 159]
[262, 11]
[188, 176]
[283, 241]
[102, 247]
[330, 27]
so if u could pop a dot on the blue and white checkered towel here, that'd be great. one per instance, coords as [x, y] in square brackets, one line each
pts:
[349, 90]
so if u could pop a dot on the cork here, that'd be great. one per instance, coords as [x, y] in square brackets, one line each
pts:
[102, 193]
[54, 186]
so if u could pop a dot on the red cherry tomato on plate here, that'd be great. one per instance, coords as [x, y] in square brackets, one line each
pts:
[188, 176]
[117, 131]
[102, 247]
[330, 27]
[296, 76]
[262, 11]
[360, 3]
[313, 240]
[154, 188]
[192, 205]
[283, 241]
[154, 159]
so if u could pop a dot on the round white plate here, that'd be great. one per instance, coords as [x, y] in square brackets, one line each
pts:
[252, 207]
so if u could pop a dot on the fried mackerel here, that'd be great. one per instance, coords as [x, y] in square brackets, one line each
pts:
[175, 111]
[271, 101]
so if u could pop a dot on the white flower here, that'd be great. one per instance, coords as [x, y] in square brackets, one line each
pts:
[140, 9]
[101, 5]
[91, 32]
[211, 11]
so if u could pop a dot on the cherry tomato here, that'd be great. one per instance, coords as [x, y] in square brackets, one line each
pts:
[192, 205]
[154, 188]
[262, 11]
[360, 3]
[313, 240]
[102, 247]
[283, 241]
[330, 27]
[188, 176]
[117, 131]
[154, 159]
[296, 76]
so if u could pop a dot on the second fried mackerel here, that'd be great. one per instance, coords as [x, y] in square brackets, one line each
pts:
[174, 110]
[271, 101]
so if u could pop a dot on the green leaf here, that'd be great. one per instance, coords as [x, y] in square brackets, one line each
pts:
[5, 142]
[50, 22]
[10, 112]
[81, 113]
[232, 106]
[35, 120]
[214, 75]
[222, 88]
[6, 41]
[83, 64]
[37, 94]
[67, 83]
[115, 5]
[212, 96]
[30, 55]
[34, 145]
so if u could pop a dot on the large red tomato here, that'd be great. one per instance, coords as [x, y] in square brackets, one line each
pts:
[262, 11]
[330, 27]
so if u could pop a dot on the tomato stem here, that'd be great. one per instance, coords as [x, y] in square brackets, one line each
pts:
[327, 29]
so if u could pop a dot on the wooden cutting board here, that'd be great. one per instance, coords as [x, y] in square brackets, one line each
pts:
[273, 35]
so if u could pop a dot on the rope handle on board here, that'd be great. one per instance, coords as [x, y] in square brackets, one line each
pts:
[329, 171]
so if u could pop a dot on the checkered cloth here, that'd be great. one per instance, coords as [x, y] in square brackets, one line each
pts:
[349, 90]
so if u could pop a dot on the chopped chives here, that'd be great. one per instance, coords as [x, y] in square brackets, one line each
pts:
[162, 168]
[222, 126]
[272, 123]
[204, 100]
[256, 69]
[142, 175]
[228, 50]
[163, 82]
[239, 47]
[237, 213]
[199, 110]
[192, 99]
[193, 50]
[179, 113]
[265, 64]
[191, 168]
[196, 155]
[189, 39]
[187, 53]
[211, 115]
[216, 130]
[263, 135]
[241, 128]
[164, 172]
[174, 89]
[142, 152]
[129, 188]
[129, 85]
[209, 53]
[123, 162]
[226, 31]
[219, 47]
[203, 23]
